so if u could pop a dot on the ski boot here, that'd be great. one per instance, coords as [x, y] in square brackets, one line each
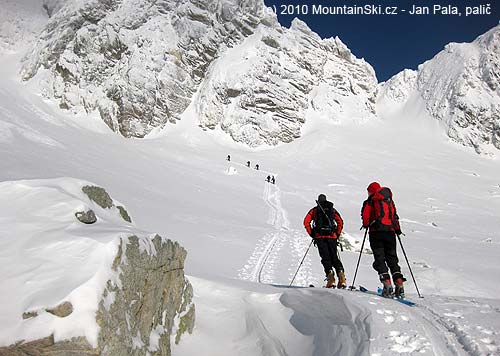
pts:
[387, 290]
[398, 282]
[342, 284]
[330, 280]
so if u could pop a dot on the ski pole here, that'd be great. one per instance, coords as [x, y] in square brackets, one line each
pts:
[359, 259]
[301, 262]
[411, 272]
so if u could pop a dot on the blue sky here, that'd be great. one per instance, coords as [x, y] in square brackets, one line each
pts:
[391, 43]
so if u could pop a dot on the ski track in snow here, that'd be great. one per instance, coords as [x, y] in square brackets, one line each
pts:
[280, 246]
[456, 331]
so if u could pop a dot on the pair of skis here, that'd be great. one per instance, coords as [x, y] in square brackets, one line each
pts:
[379, 293]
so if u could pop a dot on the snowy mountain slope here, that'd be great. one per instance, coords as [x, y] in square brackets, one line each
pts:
[263, 90]
[236, 226]
[138, 64]
[459, 87]
[20, 22]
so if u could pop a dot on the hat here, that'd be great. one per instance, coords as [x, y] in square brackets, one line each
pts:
[373, 188]
[321, 197]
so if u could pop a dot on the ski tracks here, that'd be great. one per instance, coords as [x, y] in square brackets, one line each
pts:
[465, 326]
[278, 253]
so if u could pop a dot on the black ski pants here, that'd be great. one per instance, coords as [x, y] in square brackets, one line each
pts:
[383, 245]
[327, 249]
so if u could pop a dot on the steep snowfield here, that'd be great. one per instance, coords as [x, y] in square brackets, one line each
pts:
[239, 230]
[459, 88]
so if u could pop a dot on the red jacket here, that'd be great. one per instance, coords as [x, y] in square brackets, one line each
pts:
[369, 215]
[311, 216]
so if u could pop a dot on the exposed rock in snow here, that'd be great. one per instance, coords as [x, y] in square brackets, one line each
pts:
[86, 217]
[101, 289]
[139, 64]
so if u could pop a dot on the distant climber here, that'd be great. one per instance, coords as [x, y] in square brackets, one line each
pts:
[257, 167]
[273, 180]
[228, 157]
[324, 224]
[248, 163]
[268, 179]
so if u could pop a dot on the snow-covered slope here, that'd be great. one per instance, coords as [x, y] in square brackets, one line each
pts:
[20, 23]
[138, 64]
[460, 88]
[239, 230]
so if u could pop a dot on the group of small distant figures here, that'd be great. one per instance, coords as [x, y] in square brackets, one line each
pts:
[269, 178]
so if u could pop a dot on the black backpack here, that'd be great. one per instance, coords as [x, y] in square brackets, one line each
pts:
[324, 223]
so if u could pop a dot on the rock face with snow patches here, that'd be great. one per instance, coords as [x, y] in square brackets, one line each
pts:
[262, 90]
[100, 289]
[460, 87]
[138, 65]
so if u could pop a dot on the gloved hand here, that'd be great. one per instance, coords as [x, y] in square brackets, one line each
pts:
[399, 233]
[314, 241]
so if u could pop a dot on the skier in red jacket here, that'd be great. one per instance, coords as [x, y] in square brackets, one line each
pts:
[324, 224]
[380, 217]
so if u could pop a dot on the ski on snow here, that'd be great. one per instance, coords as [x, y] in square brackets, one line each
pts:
[379, 293]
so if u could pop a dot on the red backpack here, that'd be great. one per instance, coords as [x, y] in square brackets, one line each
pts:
[384, 211]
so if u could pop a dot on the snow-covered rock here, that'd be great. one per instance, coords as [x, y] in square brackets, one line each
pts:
[262, 90]
[399, 88]
[460, 88]
[138, 64]
[106, 288]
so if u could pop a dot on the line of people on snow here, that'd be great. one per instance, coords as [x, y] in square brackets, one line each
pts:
[269, 179]
[379, 217]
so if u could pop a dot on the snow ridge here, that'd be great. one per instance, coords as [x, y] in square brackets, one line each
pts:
[459, 87]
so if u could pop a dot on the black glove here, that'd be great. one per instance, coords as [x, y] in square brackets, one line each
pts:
[399, 233]
[314, 241]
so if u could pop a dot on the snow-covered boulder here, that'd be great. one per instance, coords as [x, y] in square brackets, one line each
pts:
[71, 288]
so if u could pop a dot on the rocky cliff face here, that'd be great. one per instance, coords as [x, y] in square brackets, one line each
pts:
[262, 90]
[460, 87]
[100, 289]
[149, 306]
[138, 64]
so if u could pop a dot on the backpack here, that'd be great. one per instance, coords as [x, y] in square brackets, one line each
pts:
[325, 225]
[383, 210]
